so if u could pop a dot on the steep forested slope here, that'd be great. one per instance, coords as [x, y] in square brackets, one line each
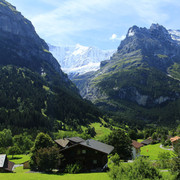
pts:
[34, 92]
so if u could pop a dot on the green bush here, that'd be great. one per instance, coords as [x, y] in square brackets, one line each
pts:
[45, 155]
[14, 150]
[3, 150]
[165, 161]
[73, 168]
[140, 169]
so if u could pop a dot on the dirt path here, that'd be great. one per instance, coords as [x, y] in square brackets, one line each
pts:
[165, 148]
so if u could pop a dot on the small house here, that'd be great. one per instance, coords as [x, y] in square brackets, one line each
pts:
[175, 140]
[136, 149]
[147, 141]
[5, 164]
[90, 154]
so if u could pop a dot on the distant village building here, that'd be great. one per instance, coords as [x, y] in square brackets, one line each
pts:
[175, 140]
[136, 149]
[5, 164]
[90, 154]
[147, 141]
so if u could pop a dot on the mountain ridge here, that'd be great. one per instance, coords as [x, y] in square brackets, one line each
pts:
[141, 76]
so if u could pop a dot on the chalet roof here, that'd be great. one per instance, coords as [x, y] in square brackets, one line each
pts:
[62, 142]
[76, 139]
[146, 141]
[99, 146]
[173, 139]
[136, 144]
[2, 160]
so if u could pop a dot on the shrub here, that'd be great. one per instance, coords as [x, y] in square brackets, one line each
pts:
[140, 169]
[164, 158]
[121, 142]
[45, 156]
[46, 159]
[115, 160]
[3, 150]
[73, 168]
[14, 150]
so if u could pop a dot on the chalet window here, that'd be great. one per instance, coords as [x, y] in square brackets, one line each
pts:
[83, 151]
[94, 161]
[78, 152]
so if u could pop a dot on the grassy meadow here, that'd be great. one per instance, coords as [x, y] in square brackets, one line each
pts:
[101, 131]
[21, 174]
[24, 175]
[19, 159]
[153, 150]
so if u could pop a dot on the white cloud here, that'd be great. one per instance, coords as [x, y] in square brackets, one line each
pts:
[122, 37]
[115, 37]
[68, 18]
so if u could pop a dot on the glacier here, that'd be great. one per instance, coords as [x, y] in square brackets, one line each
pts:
[79, 59]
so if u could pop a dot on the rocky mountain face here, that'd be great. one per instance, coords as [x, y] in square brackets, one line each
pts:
[21, 43]
[141, 77]
[79, 59]
[34, 90]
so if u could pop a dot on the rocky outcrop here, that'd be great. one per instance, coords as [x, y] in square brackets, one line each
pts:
[137, 72]
[19, 33]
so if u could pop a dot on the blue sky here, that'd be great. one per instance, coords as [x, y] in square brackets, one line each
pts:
[99, 23]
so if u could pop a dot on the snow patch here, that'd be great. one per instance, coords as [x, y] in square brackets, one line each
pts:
[131, 33]
[79, 59]
[175, 34]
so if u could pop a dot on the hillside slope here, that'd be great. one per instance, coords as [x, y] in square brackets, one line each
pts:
[141, 80]
[34, 90]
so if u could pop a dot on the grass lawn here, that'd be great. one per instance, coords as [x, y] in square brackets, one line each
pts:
[101, 131]
[152, 151]
[19, 159]
[22, 175]
[140, 140]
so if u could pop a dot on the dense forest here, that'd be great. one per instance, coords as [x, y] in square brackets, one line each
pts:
[28, 101]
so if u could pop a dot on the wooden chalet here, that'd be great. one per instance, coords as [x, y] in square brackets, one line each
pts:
[136, 149]
[90, 154]
[5, 164]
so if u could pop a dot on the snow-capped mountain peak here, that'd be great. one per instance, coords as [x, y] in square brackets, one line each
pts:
[79, 59]
[80, 50]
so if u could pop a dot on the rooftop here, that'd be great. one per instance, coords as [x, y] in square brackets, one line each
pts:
[76, 139]
[173, 139]
[99, 146]
[146, 141]
[2, 160]
[136, 144]
[64, 142]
